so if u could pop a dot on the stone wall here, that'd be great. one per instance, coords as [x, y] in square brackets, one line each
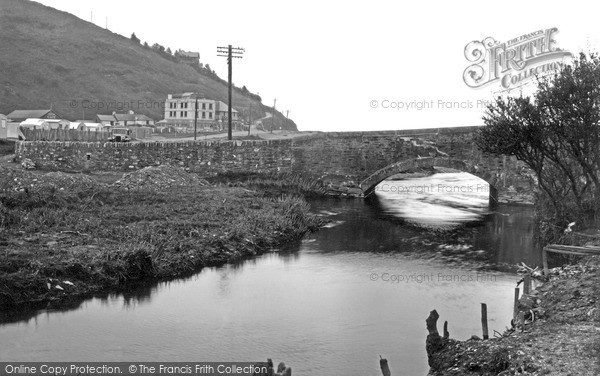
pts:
[342, 159]
[207, 157]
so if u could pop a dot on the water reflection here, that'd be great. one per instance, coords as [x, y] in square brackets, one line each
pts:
[442, 200]
[314, 303]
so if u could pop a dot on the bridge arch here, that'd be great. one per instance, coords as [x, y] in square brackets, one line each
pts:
[368, 185]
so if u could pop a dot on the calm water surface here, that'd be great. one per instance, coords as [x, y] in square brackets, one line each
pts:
[329, 304]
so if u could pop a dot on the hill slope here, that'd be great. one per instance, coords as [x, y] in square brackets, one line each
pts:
[52, 58]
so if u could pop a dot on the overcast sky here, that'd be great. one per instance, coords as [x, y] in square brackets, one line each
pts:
[328, 61]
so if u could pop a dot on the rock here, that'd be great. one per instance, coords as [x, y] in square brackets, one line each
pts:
[159, 178]
[28, 164]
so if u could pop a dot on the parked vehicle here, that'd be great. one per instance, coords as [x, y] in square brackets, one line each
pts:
[120, 135]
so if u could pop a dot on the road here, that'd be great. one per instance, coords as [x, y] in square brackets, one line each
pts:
[256, 130]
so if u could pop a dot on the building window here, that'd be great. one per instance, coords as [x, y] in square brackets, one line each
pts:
[181, 105]
[210, 115]
[204, 106]
[203, 115]
[183, 114]
[210, 106]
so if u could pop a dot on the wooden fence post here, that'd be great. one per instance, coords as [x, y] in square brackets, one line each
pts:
[516, 304]
[527, 284]
[545, 261]
[522, 320]
[484, 323]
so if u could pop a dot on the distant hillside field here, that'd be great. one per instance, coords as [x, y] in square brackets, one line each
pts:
[52, 58]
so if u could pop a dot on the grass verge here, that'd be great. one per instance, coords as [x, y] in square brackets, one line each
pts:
[58, 243]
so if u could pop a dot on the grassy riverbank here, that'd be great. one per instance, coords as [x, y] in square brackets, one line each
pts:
[65, 236]
[561, 335]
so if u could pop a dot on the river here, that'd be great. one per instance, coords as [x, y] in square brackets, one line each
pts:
[329, 304]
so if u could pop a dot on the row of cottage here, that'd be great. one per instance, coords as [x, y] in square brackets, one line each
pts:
[182, 111]
[49, 119]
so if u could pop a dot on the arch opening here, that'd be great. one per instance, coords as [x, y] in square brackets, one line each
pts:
[369, 184]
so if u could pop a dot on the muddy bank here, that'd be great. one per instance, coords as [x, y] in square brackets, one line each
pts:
[514, 197]
[64, 236]
[561, 334]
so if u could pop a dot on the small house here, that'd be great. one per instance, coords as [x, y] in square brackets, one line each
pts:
[33, 123]
[125, 120]
[20, 116]
[106, 120]
[58, 123]
[3, 127]
[76, 125]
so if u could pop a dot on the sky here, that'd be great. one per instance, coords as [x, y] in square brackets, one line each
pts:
[349, 65]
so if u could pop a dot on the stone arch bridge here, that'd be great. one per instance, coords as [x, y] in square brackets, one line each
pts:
[349, 163]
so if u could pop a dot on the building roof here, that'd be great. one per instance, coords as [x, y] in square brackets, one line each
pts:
[187, 95]
[2, 116]
[125, 117]
[142, 117]
[105, 117]
[74, 124]
[33, 121]
[28, 114]
[189, 54]
[222, 107]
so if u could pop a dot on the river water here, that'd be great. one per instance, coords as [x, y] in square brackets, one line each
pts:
[329, 304]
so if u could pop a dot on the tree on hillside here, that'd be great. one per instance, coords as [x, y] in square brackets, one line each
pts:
[158, 48]
[135, 39]
[557, 134]
[169, 51]
[146, 45]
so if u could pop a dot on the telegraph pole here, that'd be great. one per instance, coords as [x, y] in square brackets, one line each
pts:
[273, 122]
[230, 53]
[250, 119]
[196, 118]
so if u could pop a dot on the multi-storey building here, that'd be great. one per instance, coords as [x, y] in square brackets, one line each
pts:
[179, 111]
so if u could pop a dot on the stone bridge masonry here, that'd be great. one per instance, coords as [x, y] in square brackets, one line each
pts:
[350, 163]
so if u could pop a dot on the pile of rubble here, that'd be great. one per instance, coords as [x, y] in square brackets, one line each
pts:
[13, 180]
[159, 178]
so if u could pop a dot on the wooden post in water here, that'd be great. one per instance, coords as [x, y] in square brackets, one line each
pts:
[434, 342]
[385, 369]
[516, 304]
[527, 284]
[545, 261]
[484, 323]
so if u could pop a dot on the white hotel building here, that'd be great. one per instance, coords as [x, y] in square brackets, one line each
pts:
[179, 111]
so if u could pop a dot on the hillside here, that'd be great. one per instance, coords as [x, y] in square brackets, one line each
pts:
[52, 58]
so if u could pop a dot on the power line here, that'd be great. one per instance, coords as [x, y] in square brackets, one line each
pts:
[230, 53]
